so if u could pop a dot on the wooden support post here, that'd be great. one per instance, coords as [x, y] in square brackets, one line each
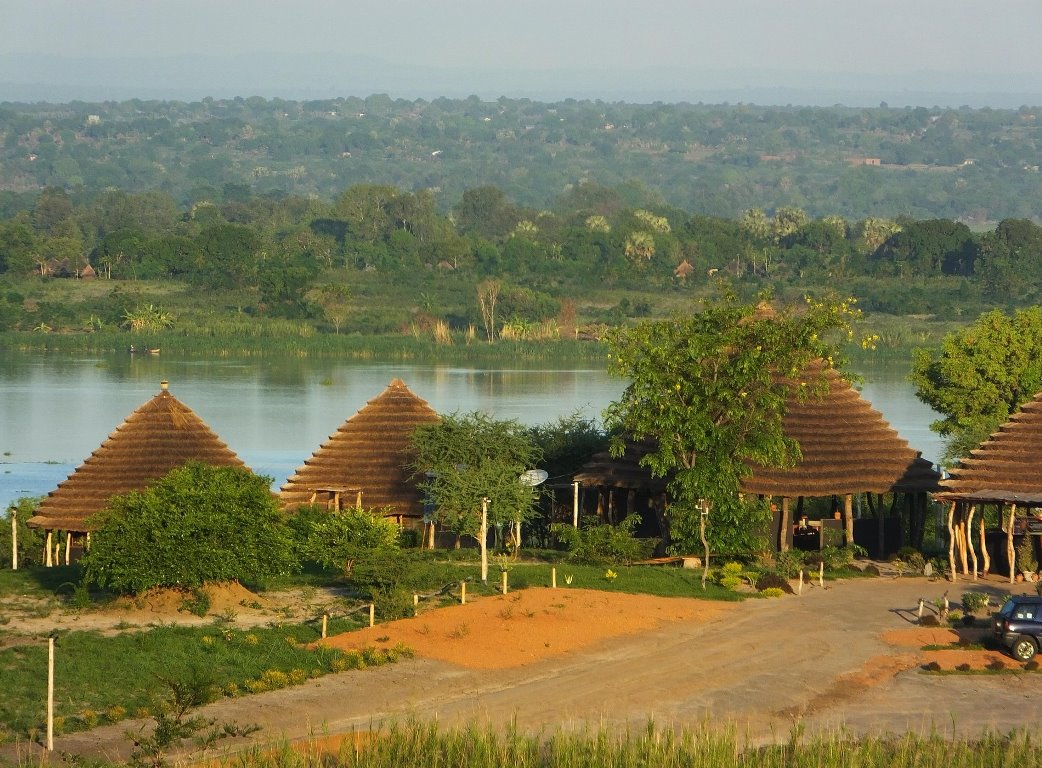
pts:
[799, 590]
[483, 540]
[1010, 553]
[372, 615]
[984, 545]
[553, 578]
[575, 504]
[47, 554]
[325, 624]
[50, 694]
[786, 525]
[951, 541]
[14, 539]
[503, 579]
[68, 547]
[848, 515]
[463, 593]
[969, 538]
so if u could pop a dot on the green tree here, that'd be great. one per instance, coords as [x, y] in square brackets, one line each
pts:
[340, 539]
[981, 375]
[199, 523]
[708, 390]
[471, 462]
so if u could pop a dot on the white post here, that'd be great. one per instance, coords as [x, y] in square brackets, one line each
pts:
[50, 694]
[463, 593]
[14, 539]
[553, 578]
[800, 590]
[575, 504]
[821, 575]
[68, 547]
[372, 615]
[47, 559]
[325, 624]
[483, 540]
[503, 580]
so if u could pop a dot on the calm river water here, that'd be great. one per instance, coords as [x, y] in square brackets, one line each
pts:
[56, 409]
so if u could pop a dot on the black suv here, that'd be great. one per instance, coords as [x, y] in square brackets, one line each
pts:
[1018, 626]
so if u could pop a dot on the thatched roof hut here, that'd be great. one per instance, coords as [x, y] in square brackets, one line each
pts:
[161, 435]
[1005, 470]
[847, 447]
[366, 458]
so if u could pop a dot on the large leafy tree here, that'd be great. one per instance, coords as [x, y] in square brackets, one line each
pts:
[198, 523]
[472, 461]
[981, 375]
[708, 391]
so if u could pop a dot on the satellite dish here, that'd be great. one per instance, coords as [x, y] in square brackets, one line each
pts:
[533, 477]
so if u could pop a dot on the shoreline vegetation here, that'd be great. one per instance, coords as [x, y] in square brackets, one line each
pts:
[897, 337]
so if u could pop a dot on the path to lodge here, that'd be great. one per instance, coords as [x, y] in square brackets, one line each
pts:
[820, 659]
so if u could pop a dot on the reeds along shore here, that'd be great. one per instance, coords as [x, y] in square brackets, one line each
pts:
[708, 746]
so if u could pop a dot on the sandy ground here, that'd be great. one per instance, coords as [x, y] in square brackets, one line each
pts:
[847, 657]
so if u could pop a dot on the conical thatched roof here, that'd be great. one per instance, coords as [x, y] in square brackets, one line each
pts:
[847, 446]
[161, 435]
[620, 471]
[368, 453]
[1005, 468]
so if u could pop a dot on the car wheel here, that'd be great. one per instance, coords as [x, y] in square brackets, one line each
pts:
[1024, 649]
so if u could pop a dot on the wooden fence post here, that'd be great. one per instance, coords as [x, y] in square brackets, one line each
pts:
[325, 623]
[372, 614]
[50, 694]
[553, 578]
[463, 593]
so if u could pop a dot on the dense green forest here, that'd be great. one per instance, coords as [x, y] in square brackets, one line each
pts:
[380, 260]
[978, 166]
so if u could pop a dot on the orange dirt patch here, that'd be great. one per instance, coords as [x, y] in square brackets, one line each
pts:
[223, 595]
[523, 627]
[949, 658]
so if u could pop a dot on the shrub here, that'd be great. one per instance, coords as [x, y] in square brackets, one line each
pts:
[929, 620]
[790, 563]
[603, 544]
[975, 602]
[836, 557]
[30, 540]
[772, 592]
[342, 538]
[773, 581]
[199, 523]
[933, 666]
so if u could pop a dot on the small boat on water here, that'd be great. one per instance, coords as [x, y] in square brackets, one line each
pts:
[143, 350]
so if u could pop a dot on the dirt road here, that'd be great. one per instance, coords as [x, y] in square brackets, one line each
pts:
[819, 659]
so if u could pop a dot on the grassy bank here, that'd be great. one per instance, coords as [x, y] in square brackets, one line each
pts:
[651, 747]
[267, 340]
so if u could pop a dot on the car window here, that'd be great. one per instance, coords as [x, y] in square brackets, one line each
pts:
[1025, 612]
[1007, 608]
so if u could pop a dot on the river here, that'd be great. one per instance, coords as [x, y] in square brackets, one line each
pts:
[55, 409]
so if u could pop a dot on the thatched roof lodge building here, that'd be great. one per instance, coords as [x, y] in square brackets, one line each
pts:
[847, 448]
[160, 436]
[1004, 470]
[365, 461]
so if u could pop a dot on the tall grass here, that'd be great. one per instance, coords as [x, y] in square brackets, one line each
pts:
[706, 746]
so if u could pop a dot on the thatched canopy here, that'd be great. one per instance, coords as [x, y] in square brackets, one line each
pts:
[847, 446]
[161, 435]
[1007, 467]
[620, 471]
[368, 453]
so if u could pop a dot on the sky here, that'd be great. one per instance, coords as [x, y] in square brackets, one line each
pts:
[753, 41]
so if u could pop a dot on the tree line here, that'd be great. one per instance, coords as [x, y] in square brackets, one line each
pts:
[347, 263]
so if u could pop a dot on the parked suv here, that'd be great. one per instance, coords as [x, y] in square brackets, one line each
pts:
[1018, 626]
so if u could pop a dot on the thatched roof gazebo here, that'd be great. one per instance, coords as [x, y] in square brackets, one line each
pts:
[1005, 470]
[161, 435]
[847, 448]
[365, 460]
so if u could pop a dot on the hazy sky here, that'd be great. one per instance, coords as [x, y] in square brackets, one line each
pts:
[863, 36]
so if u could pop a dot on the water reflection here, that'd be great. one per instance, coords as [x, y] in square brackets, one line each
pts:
[275, 413]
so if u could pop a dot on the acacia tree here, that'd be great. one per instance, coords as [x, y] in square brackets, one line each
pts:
[471, 462]
[708, 391]
[981, 375]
